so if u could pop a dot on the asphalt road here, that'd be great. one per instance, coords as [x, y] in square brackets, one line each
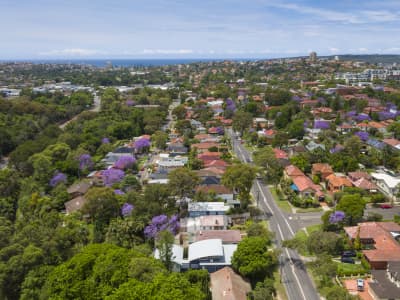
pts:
[95, 108]
[294, 275]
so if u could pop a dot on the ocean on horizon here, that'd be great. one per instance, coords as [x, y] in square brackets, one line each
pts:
[126, 62]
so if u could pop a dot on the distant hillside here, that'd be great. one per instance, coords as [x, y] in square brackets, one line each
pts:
[370, 58]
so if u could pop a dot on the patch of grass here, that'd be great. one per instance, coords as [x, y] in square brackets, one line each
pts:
[307, 210]
[280, 289]
[283, 204]
[350, 269]
[313, 228]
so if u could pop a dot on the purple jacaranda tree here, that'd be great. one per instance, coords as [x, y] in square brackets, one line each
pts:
[363, 117]
[112, 176]
[125, 162]
[118, 192]
[220, 130]
[230, 105]
[351, 114]
[57, 179]
[127, 209]
[142, 143]
[85, 162]
[129, 102]
[306, 124]
[321, 100]
[386, 115]
[105, 140]
[362, 135]
[161, 223]
[336, 149]
[296, 98]
[336, 217]
[321, 124]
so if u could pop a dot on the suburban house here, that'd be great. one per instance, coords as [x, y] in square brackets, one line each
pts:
[226, 284]
[220, 191]
[386, 283]
[380, 240]
[321, 170]
[227, 236]
[177, 149]
[197, 209]
[337, 183]
[292, 171]
[210, 255]
[74, 205]
[387, 184]
[78, 189]
[204, 147]
[311, 146]
[167, 162]
[202, 223]
[306, 188]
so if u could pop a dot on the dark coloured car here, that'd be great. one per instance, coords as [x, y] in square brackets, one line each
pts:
[349, 253]
[347, 260]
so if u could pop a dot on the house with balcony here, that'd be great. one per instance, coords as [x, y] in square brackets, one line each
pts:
[387, 184]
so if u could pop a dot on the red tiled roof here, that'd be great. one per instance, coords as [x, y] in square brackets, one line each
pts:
[205, 145]
[392, 142]
[322, 168]
[226, 284]
[337, 181]
[280, 154]
[218, 163]
[227, 236]
[304, 183]
[293, 171]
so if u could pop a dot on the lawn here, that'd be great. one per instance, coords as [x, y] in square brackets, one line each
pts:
[283, 204]
[350, 269]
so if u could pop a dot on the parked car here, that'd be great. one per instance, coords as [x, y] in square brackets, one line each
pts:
[386, 206]
[349, 253]
[347, 260]
[360, 284]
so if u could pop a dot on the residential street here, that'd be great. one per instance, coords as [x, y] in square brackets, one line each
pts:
[293, 272]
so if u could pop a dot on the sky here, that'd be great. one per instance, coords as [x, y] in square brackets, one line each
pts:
[52, 29]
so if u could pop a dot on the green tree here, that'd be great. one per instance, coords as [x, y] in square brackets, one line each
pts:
[101, 205]
[182, 182]
[240, 177]
[353, 206]
[253, 260]
[296, 129]
[164, 242]
[265, 158]
[264, 290]
[323, 242]
[241, 121]
[159, 139]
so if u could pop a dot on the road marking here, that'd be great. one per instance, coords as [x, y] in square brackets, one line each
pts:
[295, 275]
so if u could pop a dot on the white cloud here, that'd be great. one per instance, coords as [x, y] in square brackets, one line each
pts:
[362, 49]
[167, 51]
[72, 52]
[380, 15]
[334, 50]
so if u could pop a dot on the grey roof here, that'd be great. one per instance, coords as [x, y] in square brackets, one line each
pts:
[313, 145]
[383, 287]
[207, 206]
[206, 248]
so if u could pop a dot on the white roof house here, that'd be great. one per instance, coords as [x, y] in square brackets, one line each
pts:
[208, 254]
[205, 248]
[207, 208]
[387, 184]
[389, 180]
